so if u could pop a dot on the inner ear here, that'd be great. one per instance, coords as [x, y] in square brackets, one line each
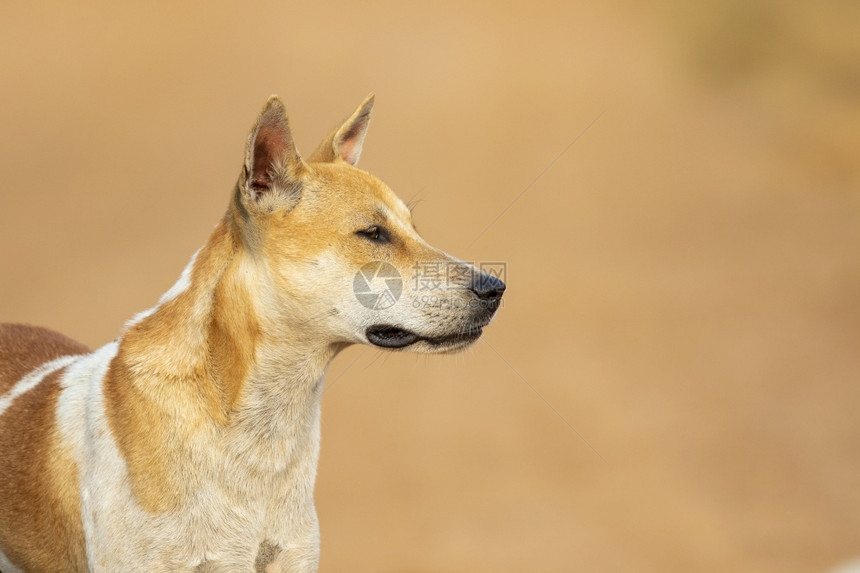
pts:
[269, 150]
[348, 144]
[271, 156]
[345, 142]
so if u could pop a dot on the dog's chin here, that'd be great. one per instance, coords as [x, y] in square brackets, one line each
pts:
[396, 338]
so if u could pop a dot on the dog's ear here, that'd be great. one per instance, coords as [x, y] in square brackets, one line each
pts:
[344, 143]
[273, 166]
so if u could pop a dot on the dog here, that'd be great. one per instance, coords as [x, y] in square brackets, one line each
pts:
[190, 443]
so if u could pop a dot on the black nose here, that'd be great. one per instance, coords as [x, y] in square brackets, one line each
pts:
[487, 287]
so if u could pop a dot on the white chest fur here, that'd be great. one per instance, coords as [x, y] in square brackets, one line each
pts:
[248, 493]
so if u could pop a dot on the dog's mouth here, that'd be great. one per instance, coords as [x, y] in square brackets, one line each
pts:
[387, 336]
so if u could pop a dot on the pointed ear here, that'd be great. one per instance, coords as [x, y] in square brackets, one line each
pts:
[345, 142]
[273, 166]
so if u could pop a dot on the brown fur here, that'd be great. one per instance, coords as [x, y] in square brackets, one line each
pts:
[26, 347]
[38, 481]
[266, 554]
[233, 336]
[141, 408]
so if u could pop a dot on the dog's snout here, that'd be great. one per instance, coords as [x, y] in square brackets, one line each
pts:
[487, 287]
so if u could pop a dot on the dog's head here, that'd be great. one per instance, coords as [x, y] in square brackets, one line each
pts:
[335, 254]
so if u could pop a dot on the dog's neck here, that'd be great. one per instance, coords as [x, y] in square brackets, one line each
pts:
[206, 344]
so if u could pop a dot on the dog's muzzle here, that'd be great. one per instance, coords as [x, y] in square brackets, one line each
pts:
[487, 290]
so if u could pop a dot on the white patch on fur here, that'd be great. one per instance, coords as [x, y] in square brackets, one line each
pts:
[32, 380]
[180, 286]
[71, 404]
[73, 424]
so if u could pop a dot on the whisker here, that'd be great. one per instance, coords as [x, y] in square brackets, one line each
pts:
[326, 314]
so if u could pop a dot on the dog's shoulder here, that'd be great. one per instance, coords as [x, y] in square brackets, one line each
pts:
[23, 348]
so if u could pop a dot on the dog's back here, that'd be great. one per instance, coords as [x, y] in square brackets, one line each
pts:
[23, 348]
[35, 498]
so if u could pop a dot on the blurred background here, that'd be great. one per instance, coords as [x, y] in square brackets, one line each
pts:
[674, 380]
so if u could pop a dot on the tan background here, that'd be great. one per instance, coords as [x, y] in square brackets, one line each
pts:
[684, 281]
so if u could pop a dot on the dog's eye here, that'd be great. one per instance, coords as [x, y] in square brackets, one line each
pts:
[374, 233]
